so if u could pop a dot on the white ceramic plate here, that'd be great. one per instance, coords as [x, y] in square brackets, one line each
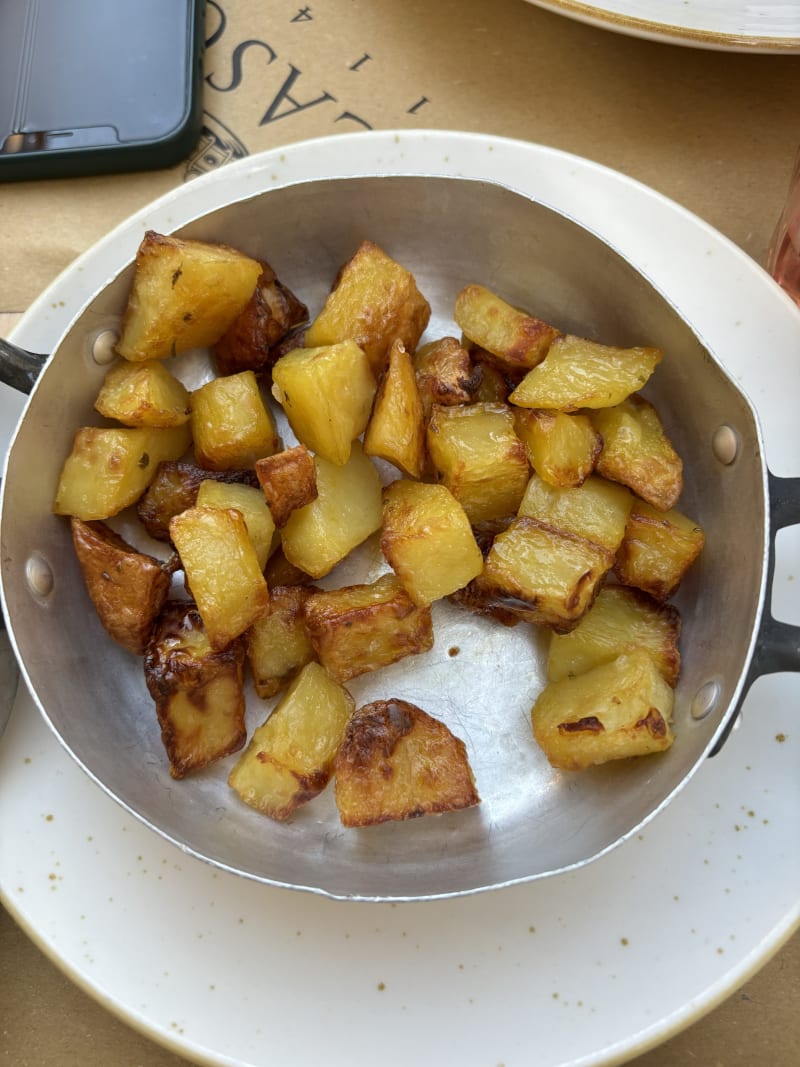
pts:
[587, 968]
[731, 25]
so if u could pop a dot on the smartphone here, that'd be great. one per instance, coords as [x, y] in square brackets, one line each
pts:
[93, 86]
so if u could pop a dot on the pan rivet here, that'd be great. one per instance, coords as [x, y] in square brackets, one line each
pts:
[705, 700]
[39, 575]
[725, 444]
[103, 348]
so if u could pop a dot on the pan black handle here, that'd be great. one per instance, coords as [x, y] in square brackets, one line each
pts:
[18, 367]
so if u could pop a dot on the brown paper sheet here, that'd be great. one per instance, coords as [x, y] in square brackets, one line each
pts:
[715, 131]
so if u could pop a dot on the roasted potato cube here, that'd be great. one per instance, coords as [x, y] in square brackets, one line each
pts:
[197, 690]
[619, 709]
[445, 374]
[397, 762]
[620, 620]
[127, 587]
[396, 429]
[361, 628]
[543, 575]
[597, 510]
[374, 302]
[252, 339]
[290, 757]
[250, 501]
[493, 386]
[637, 452]
[327, 395]
[427, 540]
[657, 550]
[288, 481]
[185, 294]
[516, 342]
[278, 645]
[109, 469]
[562, 449]
[174, 489]
[231, 425]
[346, 510]
[143, 394]
[222, 570]
[578, 373]
[475, 452]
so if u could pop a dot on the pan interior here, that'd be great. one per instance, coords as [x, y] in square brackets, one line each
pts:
[480, 678]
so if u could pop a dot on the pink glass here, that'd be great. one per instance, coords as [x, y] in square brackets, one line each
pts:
[783, 258]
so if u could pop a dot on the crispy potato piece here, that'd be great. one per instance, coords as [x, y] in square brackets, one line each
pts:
[514, 341]
[545, 576]
[427, 540]
[445, 374]
[657, 550]
[397, 762]
[327, 395]
[185, 294]
[396, 429]
[143, 394]
[231, 425]
[619, 709]
[288, 480]
[620, 620]
[109, 469]
[563, 449]
[361, 628]
[290, 757]
[476, 454]
[252, 339]
[346, 510]
[127, 587]
[374, 301]
[251, 503]
[493, 387]
[278, 645]
[279, 571]
[579, 373]
[174, 489]
[222, 570]
[197, 690]
[637, 452]
[597, 510]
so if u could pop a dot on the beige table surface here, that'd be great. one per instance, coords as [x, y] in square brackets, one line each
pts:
[715, 131]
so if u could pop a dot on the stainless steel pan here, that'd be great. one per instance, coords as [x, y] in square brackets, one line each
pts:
[533, 821]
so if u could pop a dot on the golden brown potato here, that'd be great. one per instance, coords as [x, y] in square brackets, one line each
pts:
[251, 503]
[231, 425]
[279, 571]
[516, 342]
[637, 452]
[197, 690]
[278, 645]
[252, 339]
[143, 394]
[563, 449]
[397, 762]
[327, 395]
[361, 628]
[613, 711]
[185, 294]
[288, 481]
[493, 386]
[597, 510]
[475, 452]
[222, 570]
[427, 540]
[290, 757]
[579, 373]
[657, 550]
[445, 374]
[174, 489]
[396, 429]
[127, 587]
[620, 620]
[109, 469]
[374, 302]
